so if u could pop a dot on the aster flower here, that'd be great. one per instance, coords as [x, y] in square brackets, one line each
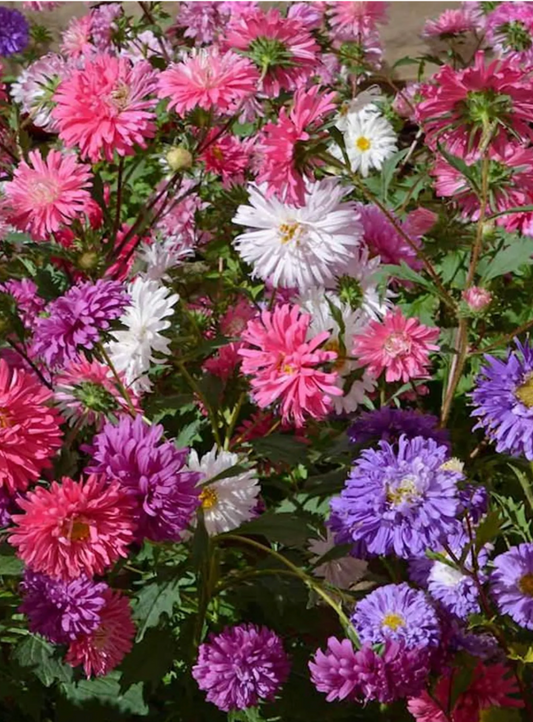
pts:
[35, 86]
[229, 502]
[103, 649]
[282, 48]
[29, 303]
[105, 107]
[369, 139]
[39, 6]
[208, 79]
[281, 166]
[357, 283]
[477, 298]
[342, 572]
[227, 156]
[400, 499]
[365, 675]
[160, 255]
[202, 20]
[298, 246]
[132, 350]
[61, 610]
[510, 32]
[47, 193]
[146, 45]
[30, 434]
[86, 392]
[241, 666]
[350, 20]
[450, 23]
[397, 612]
[457, 103]
[14, 31]
[76, 39]
[77, 319]
[503, 401]
[74, 528]
[388, 424]
[385, 241]
[284, 365]
[152, 470]
[397, 345]
[512, 584]
[178, 222]
[103, 24]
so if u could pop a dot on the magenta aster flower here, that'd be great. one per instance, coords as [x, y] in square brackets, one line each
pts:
[241, 666]
[61, 611]
[77, 319]
[512, 584]
[29, 303]
[385, 241]
[389, 424]
[510, 32]
[153, 471]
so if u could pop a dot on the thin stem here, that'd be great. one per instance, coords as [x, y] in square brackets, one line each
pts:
[123, 391]
[148, 15]
[30, 362]
[233, 419]
[504, 340]
[196, 388]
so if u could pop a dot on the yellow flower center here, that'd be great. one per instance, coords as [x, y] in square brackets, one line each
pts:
[219, 155]
[120, 97]
[525, 584]
[393, 621]
[44, 192]
[363, 144]
[525, 392]
[405, 491]
[290, 231]
[208, 498]
[4, 418]
[334, 345]
[76, 529]
[453, 464]
[287, 369]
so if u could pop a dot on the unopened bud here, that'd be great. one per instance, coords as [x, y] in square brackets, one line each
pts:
[88, 260]
[477, 298]
[179, 158]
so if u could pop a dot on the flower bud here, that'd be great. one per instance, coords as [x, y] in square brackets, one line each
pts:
[477, 298]
[179, 158]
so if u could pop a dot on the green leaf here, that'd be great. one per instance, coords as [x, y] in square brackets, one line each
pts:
[488, 529]
[387, 172]
[159, 407]
[154, 600]
[105, 691]
[499, 714]
[288, 529]
[516, 253]
[10, 565]
[149, 660]
[36, 653]
[325, 484]
[462, 677]
[280, 447]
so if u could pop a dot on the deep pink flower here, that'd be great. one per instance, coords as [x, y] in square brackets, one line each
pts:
[280, 144]
[104, 649]
[224, 362]
[48, 193]
[105, 106]
[285, 367]
[450, 22]
[385, 241]
[227, 156]
[458, 104]
[75, 527]
[208, 79]
[398, 345]
[477, 298]
[350, 20]
[510, 32]
[282, 48]
[30, 434]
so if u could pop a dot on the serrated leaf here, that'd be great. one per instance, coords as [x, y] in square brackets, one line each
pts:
[488, 529]
[516, 253]
[106, 692]
[387, 171]
[160, 407]
[462, 678]
[149, 660]
[36, 653]
[288, 529]
[280, 447]
[154, 600]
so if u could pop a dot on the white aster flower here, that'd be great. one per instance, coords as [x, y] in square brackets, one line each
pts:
[369, 140]
[343, 572]
[298, 247]
[229, 502]
[352, 379]
[364, 102]
[160, 256]
[132, 350]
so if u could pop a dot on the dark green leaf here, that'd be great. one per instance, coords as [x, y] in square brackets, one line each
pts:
[462, 678]
[154, 600]
[37, 653]
[280, 447]
[10, 565]
[161, 406]
[288, 529]
[149, 660]
[516, 253]
[488, 529]
[106, 692]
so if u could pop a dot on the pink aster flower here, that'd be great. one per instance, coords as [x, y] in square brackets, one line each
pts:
[30, 434]
[105, 106]
[29, 303]
[178, 219]
[281, 142]
[510, 32]
[385, 241]
[309, 14]
[75, 527]
[398, 345]
[450, 22]
[202, 20]
[39, 6]
[224, 362]
[282, 48]
[457, 104]
[227, 156]
[477, 298]
[47, 193]
[349, 20]
[103, 649]
[77, 38]
[285, 368]
[208, 79]
[103, 24]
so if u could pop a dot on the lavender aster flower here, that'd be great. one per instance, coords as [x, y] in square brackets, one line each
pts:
[366, 675]
[512, 584]
[62, 611]
[503, 401]
[474, 502]
[241, 666]
[77, 319]
[399, 613]
[400, 499]
[389, 424]
[14, 31]
[153, 470]
[7, 506]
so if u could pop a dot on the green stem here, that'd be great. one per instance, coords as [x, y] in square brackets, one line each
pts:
[196, 388]
[233, 419]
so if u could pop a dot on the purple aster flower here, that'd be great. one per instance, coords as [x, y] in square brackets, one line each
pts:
[241, 666]
[399, 613]
[153, 470]
[8, 506]
[512, 584]
[202, 20]
[503, 401]
[29, 303]
[77, 320]
[473, 502]
[400, 499]
[14, 31]
[389, 424]
[62, 611]
[367, 675]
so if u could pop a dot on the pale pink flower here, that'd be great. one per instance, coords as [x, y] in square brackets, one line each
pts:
[279, 167]
[510, 32]
[349, 20]
[178, 219]
[398, 345]
[38, 6]
[293, 62]
[227, 156]
[310, 14]
[104, 648]
[202, 20]
[208, 79]
[450, 22]
[405, 100]
[235, 319]
[77, 38]
[477, 298]
[46, 194]
[285, 368]
[105, 107]
[103, 24]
